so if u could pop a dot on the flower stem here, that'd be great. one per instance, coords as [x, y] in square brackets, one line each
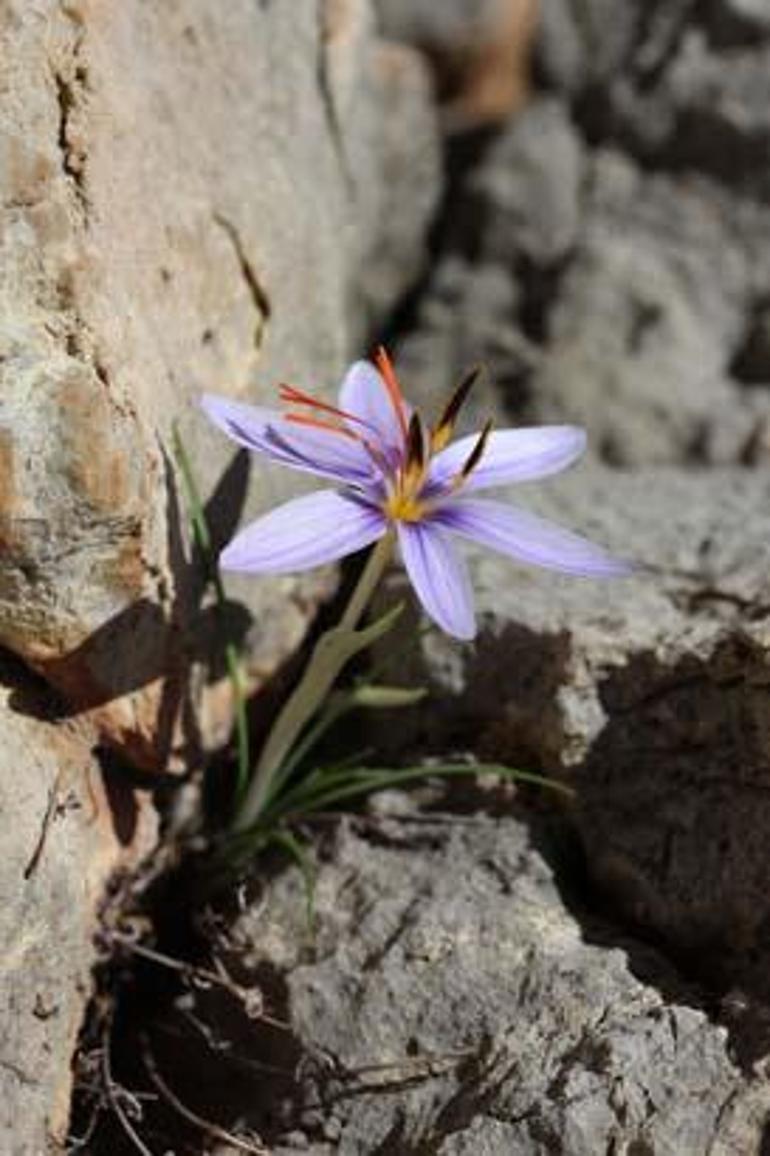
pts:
[375, 567]
[331, 653]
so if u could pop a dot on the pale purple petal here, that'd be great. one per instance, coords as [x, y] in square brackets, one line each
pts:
[524, 536]
[303, 533]
[439, 576]
[363, 394]
[321, 451]
[304, 448]
[245, 424]
[510, 455]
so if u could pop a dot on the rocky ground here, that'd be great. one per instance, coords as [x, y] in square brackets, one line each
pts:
[488, 972]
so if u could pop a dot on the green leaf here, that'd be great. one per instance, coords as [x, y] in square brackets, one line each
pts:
[333, 650]
[386, 697]
[363, 696]
[337, 707]
[324, 790]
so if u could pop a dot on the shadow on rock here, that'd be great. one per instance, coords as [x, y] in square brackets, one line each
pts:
[149, 642]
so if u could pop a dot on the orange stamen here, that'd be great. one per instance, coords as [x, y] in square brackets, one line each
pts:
[317, 423]
[385, 366]
[294, 396]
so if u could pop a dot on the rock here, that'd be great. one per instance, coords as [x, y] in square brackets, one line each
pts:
[738, 21]
[751, 363]
[581, 46]
[640, 334]
[708, 111]
[648, 695]
[536, 161]
[679, 85]
[481, 51]
[187, 224]
[449, 29]
[464, 320]
[64, 830]
[600, 304]
[443, 962]
[402, 147]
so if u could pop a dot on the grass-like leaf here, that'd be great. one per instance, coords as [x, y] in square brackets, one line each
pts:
[333, 651]
[319, 791]
[324, 788]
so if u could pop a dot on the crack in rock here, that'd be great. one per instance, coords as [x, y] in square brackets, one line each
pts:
[257, 292]
[71, 83]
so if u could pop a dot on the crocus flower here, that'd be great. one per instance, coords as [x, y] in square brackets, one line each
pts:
[398, 474]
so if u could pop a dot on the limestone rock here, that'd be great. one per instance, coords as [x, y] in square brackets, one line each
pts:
[186, 224]
[537, 161]
[464, 320]
[579, 47]
[709, 111]
[450, 1003]
[400, 159]
[676, 83]
[640, 334]
[600, 303]
[177, 214]
[739, 21]
[64, 831]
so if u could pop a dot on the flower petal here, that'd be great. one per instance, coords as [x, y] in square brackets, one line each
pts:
[245, 424]
[510, 455]
[320, 451]
[304, 448]
[439, 576]
[530, 539]
[363, 394]
[303, 533]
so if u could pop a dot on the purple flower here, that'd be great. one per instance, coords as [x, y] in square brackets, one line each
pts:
[397, 474]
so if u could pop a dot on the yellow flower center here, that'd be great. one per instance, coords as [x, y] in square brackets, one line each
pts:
[402, 507]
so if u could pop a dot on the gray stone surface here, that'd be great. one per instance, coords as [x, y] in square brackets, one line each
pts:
[582, 44]
[188, 224]
[589, 291]
[399, 197]
[536, 215]
[451, 27]
[451, 1004]
[741, 21]
[640, 335]
[709, 111]
[464, 320]
[681, 84]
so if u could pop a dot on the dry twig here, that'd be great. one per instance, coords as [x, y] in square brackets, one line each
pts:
[112, 1092]
[207, 1126]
